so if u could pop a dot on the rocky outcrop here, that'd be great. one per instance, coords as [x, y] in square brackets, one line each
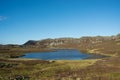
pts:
[47, 43]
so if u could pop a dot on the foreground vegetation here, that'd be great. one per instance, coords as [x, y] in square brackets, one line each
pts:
[28, 69]
[37, 69]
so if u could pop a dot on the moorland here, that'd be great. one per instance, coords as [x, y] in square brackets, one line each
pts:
[108, 68]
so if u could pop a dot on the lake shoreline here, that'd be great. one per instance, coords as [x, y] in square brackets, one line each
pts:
[90, 56]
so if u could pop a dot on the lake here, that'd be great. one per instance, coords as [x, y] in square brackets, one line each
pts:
[63, 54]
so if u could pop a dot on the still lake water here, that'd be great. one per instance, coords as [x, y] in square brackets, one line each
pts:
[63, 54]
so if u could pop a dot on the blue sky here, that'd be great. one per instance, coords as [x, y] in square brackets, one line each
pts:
[22, 20]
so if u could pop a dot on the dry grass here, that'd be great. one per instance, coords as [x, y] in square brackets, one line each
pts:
[76, 64]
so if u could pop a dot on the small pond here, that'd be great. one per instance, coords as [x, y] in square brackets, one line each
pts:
[62, 54]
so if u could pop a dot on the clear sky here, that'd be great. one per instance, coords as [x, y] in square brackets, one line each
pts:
[22, 20]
